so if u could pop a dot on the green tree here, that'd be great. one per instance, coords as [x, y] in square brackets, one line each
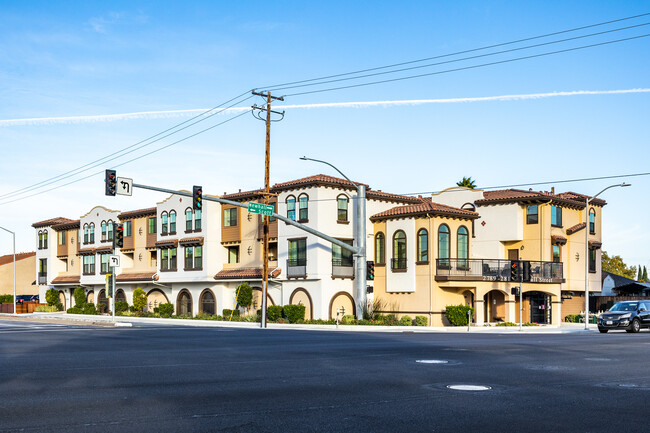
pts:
[79, 297]
[139, 300]
[639, 275]
[52, 297]
[245, 296]
[645, 275]
[467, 182]
[616, 265]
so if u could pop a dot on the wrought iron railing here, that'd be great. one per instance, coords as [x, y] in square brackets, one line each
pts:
[343, 268]
[296, 268]
[497, 270]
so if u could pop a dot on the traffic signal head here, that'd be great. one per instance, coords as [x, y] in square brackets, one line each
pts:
[197, 198]
[370, 270]
[118, 235]
[111, 182]
[514, 270]
[525, 267]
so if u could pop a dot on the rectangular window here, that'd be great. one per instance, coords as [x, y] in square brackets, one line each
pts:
[380, 253]
[342, 209]
[592, 260]
[168, 259]
[128, 228]
[152, 225]
[103, 232]
[291, 209]
[153, 259]
[193, 257]
[531, 214]
[89, 265]
[111, 225]
[230, 217]
[342, 256]
[42, 266]
[104, 264]
[92, 234]
[86, 234]
[172, 222]
[189, 257]
[556, 216]
[197, 220]
[303, 210]
[298, 252]
[233, 254]
[198, 257]
[61, 237]
[188, 220]
[556, 254]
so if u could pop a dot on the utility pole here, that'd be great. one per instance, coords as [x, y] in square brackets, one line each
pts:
[267, 160]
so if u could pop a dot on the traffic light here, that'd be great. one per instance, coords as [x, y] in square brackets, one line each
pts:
[525, 267]
[118, 235]
[111, 182]
[370, 270]
[197, 197]
[514, 270]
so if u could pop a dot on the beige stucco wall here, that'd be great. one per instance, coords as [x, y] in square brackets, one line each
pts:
[25, 276]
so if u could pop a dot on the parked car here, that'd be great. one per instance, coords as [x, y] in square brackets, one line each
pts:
[628, 315]
[22, 298]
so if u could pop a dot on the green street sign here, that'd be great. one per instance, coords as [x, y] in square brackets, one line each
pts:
[263, 209]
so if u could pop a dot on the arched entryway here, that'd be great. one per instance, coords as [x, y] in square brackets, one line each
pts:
[257, 298]
[120, 296]
[62, 300]
[90, 297]
[184, 303]
[207, 303]
[344, 302]
[494, 303]
[155, 297]
[300, 296]
[102, 302]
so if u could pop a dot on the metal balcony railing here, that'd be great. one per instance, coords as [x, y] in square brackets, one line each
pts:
[343, 268]
[42, 278]
[496, 270]
[296, 268]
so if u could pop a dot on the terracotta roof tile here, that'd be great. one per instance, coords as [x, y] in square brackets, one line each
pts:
[69, 279]
[9, 258]
[243, 195]
[576, 228]
[595, 245]
[74, 224]
[167, 243]
[52, 221]
[150, 211]
[522, 196]
[245, 273]
[424, 208]
[191, 241]
[137, 276]
[558, 240]
[86, 251]
[570, 195]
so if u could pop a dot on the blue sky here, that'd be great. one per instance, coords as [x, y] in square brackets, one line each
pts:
[67, 66]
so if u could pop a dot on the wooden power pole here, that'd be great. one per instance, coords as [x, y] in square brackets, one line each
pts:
[265, 258]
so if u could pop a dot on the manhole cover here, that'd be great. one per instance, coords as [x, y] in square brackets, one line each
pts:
[469, 387]
[432, 361]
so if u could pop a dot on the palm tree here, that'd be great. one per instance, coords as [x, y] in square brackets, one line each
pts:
[467, 182]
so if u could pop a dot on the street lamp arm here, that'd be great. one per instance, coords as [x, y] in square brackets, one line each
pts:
[611, 186]
[304, 158]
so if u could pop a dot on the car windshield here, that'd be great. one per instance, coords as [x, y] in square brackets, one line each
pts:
[624, 306]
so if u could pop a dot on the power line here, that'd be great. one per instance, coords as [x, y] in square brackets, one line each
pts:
[410, 77]
[456, 53]
[464, 58]
[584, 179]
[139, 145]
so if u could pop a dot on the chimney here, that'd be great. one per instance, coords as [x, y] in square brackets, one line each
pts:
[552, 190]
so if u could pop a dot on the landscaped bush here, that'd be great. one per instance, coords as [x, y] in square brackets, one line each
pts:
[89, 308]
[348, 319]
[6, 299]
[165, 310]
[421, 321]
[46, 308]
[121, 307]
[506, 324]
[227, 312]
[390, 320]
[273, 313]
[52, 297]
[139, 300]
[406, 321]
[573, 318]
[294, 313]
[75, 310]
[79, 297]
[457, 314]
[245, 295]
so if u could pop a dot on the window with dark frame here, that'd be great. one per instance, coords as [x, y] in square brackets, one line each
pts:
[291, 208]
[230, 217]
[172, 222]
[592, 221]
[92, 233]
[193, 258]
[164, 220]
[399, 251]
[188, 220]
[556, 254]
[341, 256]
[556, 216]
[153, 225]
[463, 247]
[298, 252]
[128, 227]
[532, 216]
[423, 246]
[380, 249]
[303, 208]
[233, 254]
[444, 246]
[592, 260]
[44, 239]
[342, 208]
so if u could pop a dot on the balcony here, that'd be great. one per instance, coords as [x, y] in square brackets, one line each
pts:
[342, 268]
[297, 268]
[495, 270]
[42, 278]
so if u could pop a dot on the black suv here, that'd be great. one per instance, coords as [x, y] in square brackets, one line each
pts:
[628, 315]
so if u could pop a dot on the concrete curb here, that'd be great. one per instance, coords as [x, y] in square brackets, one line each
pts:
[129, 321]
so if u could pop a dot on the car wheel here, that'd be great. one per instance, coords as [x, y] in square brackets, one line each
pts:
[603, 331]
[635, 326]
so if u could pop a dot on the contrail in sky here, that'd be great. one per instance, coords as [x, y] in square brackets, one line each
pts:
[412, 102]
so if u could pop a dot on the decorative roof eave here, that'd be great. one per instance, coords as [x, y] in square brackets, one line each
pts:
[167, 243]
[86, 252]
[138, 276]
[151, 211]
[425, 209]
[52, 222]
[558, 240]
[104, 250]
[191, 241]
[67, 226]
[72, 279]
[244, 195]
[576, 228]
[245, 274]
[595, 245]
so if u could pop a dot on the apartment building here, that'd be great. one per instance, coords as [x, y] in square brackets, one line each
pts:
[542, 228]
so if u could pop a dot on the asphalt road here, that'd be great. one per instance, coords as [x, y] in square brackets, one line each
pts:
[163, 378]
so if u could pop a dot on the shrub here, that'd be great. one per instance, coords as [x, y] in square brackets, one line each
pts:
[406, 321]
[227, 312]
[89, 308]
[348, 319]
[457, 314]
[75, 310]
[121, 307]
[281, 320]
[573, 318]
[294, 313]
[389, 320]
[102, 308]
[46, 308]
[245, 296]
[52, 297]
[273, 313]
[203, 316]
[6, 299]
[165, 310]
[79, 297]
[506, 324]
[421, 321]
[139, 300]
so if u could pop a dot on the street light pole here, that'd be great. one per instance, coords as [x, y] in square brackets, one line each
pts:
[587, 201]
[14, 238]
[360, 235]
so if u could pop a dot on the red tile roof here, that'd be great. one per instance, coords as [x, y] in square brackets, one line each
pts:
[52, 221]
[522, 196]
[424, 208]
[150, 211]
[245, 273]
[576, 228]
[137, 276]
[71, 279]
[67, 226]
[570, 195]
[559, 240]
[167, 243]
[191, 241]
[9, 258]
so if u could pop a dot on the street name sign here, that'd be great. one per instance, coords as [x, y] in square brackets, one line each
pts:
[263, 209]
[124, 186]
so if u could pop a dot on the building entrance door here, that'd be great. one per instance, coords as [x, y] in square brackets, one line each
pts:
[540, 308]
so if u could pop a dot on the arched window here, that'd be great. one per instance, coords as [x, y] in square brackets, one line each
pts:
[164, 218]
[188, 219]
[444, 246]
[303, 207]
[172, 221]
[85, 233]
[103, 226]
[423, 245]
[208, 305]
[463, 247]
[342, 202]
[184, 304]
[399, 250]
[109, 231]
[380, 248]
[91, 233]
[197, 220]
[592, 221]
[291, 208]
[40, 239]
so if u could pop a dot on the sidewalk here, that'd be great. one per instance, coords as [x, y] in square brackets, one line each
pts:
[80, 319]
